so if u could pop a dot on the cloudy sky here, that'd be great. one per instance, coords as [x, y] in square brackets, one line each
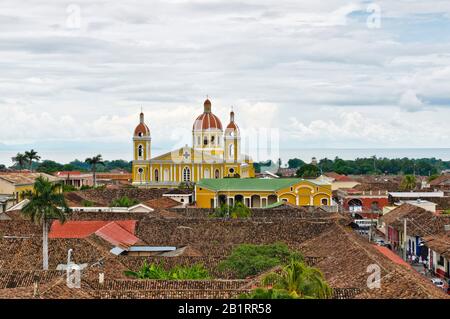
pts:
[324, 74]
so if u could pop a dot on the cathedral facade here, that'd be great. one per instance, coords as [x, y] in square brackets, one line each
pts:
[215, 153]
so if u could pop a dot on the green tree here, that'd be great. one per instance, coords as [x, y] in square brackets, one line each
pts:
[93, 162]
[49, 167]
[249, 260]
[295, 163]
[409, 183]
[157, 272]
[308, 171]
[299, 281]
[46, 202]
[31, 156]
[124, 201]
[19, 160]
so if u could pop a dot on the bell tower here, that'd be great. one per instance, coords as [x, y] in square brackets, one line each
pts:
[141, 151]
[232, 141]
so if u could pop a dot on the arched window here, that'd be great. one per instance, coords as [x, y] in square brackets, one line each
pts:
[140, 172]
[217, 174]
[231, 152]
[140, 134]
[205, 140]
[140, 151]
[156, 175]
[186, 174]
[324, 202]
[213, 139]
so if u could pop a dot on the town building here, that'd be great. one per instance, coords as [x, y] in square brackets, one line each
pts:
[17, 183]
[215, 153]
[338, 181]
[260, 193]
[358, 201]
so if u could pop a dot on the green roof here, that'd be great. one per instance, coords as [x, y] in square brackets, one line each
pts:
[249, 184]
[275, 205]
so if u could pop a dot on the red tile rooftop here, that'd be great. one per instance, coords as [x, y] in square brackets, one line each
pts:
[116, 235]
[83, 229]
[392, 256]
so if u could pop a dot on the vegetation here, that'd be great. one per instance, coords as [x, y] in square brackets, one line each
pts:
[371, 165]
[19, 160]
[46, 202]
[296, 281]
[87, 203]
[124, 201]
[239, 210]
[446, 212]
[93, 162]
[409, 183]
[308, 171]
[31, 156]
[250, 260]
[157, 272]
[68, 188]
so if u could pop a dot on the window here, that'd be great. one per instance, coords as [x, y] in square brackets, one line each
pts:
[140, 134]
[231, 170]
[324, 202]
[140, 151]
[440, 261]
[186, 174]
[156, 175]
[231, 151]
[213, 139]
[217, 174]
[205, 141]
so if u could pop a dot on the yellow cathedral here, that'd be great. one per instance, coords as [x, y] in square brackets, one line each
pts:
[214, 154]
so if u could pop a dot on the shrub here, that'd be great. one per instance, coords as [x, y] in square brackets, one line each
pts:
[250, 260]
[124, 202]
[157, 272]
[239, 210]
[87, 203]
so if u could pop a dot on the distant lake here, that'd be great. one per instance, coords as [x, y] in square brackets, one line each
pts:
[286, 154]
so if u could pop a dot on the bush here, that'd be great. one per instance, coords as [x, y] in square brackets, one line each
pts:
[239, 210]
[250, 260]
[157, 272]
[68, 188]
[124, 202]
[87, 203]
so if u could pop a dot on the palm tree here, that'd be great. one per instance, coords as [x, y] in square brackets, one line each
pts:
[19, 160]
[94, 161]
[31, 156]
[300, 281]
[408, 183]
[46, 202]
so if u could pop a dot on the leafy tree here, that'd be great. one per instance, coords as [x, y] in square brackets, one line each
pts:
[157, 272]
[19, 160]
[249, 260]
[239, 210]
[308, 171]
[409, 183]
[93, 162]
[295, 163]
[49, 167]
[46, 202]
[31, 156]
[266, 294]
[124, 201]
[298, 281]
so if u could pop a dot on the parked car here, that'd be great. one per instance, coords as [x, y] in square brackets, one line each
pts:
[438, 282]
[380, 242]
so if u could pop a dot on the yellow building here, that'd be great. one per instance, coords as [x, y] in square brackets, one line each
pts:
[215, 153]
[261, 193]
[15, 184]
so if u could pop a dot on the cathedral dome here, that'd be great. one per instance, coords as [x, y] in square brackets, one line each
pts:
[207, 120]
[142, 129]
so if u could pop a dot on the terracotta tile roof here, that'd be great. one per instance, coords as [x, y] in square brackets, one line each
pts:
[443, 180]
[83, 229]
[440, 243]
[392, 256]
[25, 178]
[162, 203]
[117, 235]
